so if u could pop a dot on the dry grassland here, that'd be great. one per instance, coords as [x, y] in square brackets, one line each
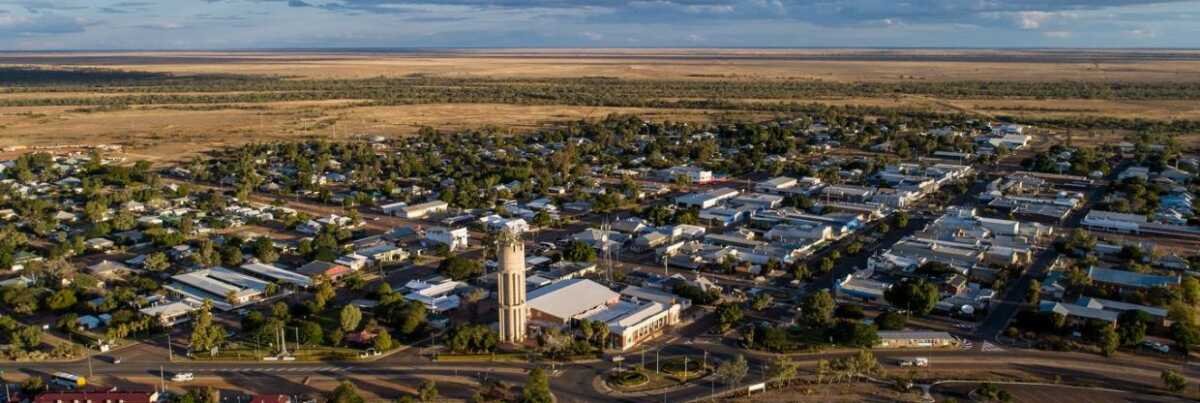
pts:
[163, 131]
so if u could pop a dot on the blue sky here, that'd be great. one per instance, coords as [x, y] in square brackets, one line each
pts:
[240, 24]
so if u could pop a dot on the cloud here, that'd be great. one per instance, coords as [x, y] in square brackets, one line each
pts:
[40, 24]
[161, 26]
[1057, 34]
[1140, 33]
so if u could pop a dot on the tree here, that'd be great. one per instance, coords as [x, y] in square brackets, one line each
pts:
[762, 301]
[537, 388]
[324, 292]
[728, 314]
[1109, 340]
[855, 334]
[1185, 336]
[383, 341]
[206, 335]
[918, 297]
[901, 219]
[1190, 290]
[783, 369]
[264, 250]
[579, 251]
[1173, 380]
[156, 262]
[817, 309]
[733, 371]
[350, 316]
[346, 392]
[891, 320]
[61, 300]
[460, 268]
[311, 333]
[1132, 325]
[428, 391]
[1034, 293]
[27, 338]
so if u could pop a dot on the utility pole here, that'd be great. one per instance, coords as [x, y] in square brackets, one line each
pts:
[656, 360]
[90, 365]
[170, 350]
[7, 397]
[162, 380]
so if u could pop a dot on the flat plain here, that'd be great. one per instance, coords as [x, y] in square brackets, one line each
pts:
[304, 94]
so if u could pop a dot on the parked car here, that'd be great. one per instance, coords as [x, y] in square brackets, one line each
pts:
[183, 377]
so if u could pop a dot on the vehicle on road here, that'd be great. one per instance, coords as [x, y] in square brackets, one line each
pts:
[919, 362]
[114, 360]
[68, 381]
[1156, 346]
[183, 377]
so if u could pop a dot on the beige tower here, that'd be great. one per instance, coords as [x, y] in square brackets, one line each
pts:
[511, 287]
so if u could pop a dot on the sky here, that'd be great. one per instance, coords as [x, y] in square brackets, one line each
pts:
[265, 24]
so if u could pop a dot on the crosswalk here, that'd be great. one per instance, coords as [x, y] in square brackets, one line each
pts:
[987, 346]
[275, 369]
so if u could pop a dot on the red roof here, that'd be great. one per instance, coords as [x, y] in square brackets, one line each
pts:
[271, 399]
[97, 397]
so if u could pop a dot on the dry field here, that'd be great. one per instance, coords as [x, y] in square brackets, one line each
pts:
[174, 131]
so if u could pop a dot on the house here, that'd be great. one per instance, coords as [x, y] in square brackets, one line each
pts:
[99, 244]
[171, 314]
[776, 185]
[318, 268]
[423, 210]
[1131, 280]
[395, 208]
[439, 297]
[707, 199]
[109, 269]
[1077, 314]
[916, 339]
[96, 397]
[385, 253]
[226, 288]
[455, 239]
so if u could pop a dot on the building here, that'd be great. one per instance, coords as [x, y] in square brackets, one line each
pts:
[438, 298]
[454, 239]
[396, 208]
[1131, 280]
[226, 288]
[97, 397]
[707, 199]
[1113, 222]
[277, 274]
[422, 210]
[559, 303]
[916, 339]
[776, 185]
[171, 314]
[319, 268]
[511, 288]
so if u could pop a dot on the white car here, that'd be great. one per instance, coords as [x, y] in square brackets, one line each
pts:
[1156, 346]
[183, 377]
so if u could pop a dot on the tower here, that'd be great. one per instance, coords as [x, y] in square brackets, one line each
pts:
[511, 287]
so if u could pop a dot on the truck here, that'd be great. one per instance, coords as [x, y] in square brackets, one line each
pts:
[920, 362]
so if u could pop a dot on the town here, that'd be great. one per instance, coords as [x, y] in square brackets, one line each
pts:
[600, 260]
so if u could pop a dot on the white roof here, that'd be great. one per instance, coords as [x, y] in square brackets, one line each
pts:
[568, 298]
[169, 310]
[277, 273]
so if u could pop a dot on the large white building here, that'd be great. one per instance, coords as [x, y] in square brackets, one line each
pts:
[455, 239]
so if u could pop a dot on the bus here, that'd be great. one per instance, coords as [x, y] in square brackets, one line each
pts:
[69, 381]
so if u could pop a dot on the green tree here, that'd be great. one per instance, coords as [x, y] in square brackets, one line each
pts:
[762, 301]
[460, 268]
[733, 371]
[918, 297]
[350, 316]
[428, 391]
[1132, 325]
[1185, 336]
[1033, 294]
[579, 251]
[156, 262]
[1109, 340]
[383, 341]
[206, 334]
[1190, 290]
[783, 370]
[537, 388]
[1173, 380]
[891, 320]
[311, 333]
[346, 392]
[817, 309]
[728, 314]
[61, 300]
